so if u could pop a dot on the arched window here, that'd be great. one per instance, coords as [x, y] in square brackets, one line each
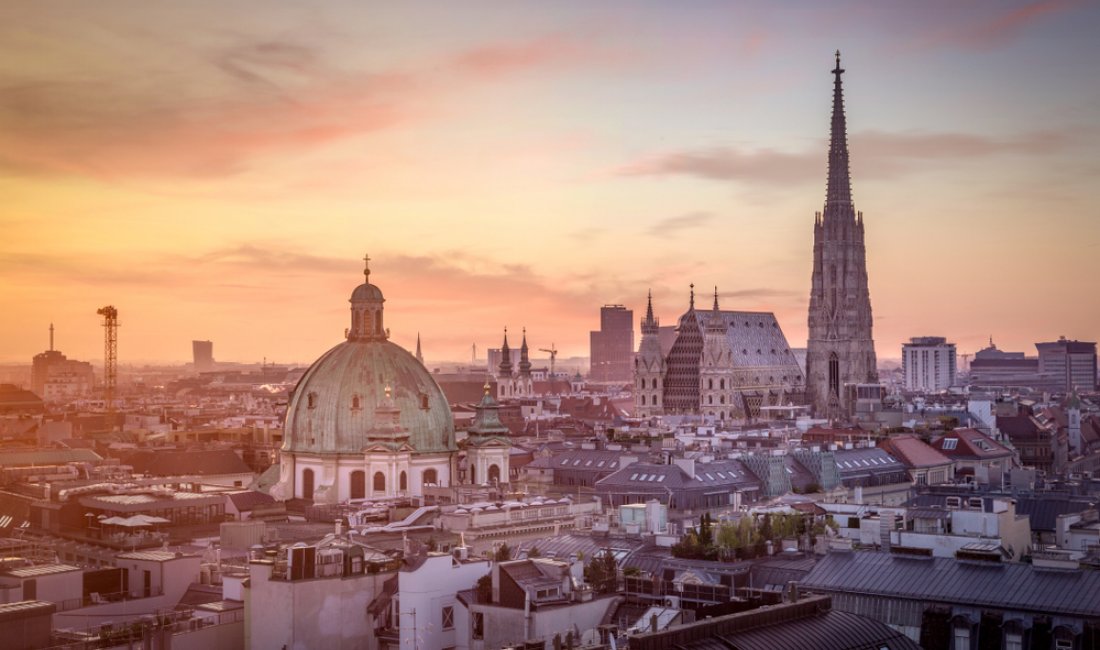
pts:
[379, 482]
[378, 322]
[311, 400]
[834, 375]
[494, 474]
[358, 488]
[355, 403]
[307, 483]
[423, 400]
[643, 400]
[722, 384]
[710, 384]
[654, 382]
[430, 476]
[403, 482]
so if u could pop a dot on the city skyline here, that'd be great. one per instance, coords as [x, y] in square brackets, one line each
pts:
[230, 191]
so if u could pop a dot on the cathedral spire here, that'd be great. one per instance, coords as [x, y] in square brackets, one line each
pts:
[419, 356]
[650, 325]
[505, 357]
[692, 305]
[716, 323]
[524, 360]
[838, 193]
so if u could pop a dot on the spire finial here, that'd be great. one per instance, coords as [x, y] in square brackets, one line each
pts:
[366, 268]
[838, 59]
[692, 285]
[715, 297]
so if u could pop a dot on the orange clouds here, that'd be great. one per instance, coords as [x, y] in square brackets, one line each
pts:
[212, 117]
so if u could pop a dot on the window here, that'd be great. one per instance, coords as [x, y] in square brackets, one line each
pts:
[379, 482]
[961, 638]
[311, 400]
[950, 443]
[355, 404]
[403, 482]
[448, 617]
[429, 477]
[477, 625]
[423, 400]
[307, 483]
[834, 375]
[358, 485]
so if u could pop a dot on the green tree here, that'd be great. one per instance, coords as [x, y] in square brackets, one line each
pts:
[602, 573]
[503, 552]
[534, 552]
[485, 588]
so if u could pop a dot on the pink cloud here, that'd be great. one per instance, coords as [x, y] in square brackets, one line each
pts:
[984, 32]
[274, 97]
[879, 154]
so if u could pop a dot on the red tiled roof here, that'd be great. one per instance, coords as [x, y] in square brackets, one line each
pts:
[971, 444]
[914, 452]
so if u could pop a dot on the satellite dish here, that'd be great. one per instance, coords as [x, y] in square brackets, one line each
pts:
[590, 637]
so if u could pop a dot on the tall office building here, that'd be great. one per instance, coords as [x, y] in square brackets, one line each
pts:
[1068, 365]
[203, 354]
[840, 350]
[612, 346]
[928, 364]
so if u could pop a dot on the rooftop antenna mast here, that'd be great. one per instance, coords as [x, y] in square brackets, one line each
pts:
[110, 360]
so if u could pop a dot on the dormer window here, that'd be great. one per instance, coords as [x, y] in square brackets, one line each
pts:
[356, 403]
[424, 401]
[311, 400]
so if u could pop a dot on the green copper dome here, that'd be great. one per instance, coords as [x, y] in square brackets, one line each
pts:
[333, 407]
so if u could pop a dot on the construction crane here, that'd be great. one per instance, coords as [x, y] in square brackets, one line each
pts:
[553, 352]
[110, 360]
[966, 361]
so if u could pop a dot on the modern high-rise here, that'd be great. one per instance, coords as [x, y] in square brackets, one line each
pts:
[840, 350]
[203, 354]
[928, 364]
[612, 346]
[1068, 365]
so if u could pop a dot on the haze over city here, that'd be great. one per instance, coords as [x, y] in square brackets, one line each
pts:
[218, 172]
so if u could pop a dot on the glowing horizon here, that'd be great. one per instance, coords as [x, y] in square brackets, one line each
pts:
[217, 173]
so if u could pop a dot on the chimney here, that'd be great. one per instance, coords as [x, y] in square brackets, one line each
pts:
[686, 464]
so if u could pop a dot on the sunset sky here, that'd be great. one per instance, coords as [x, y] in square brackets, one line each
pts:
[218, 170]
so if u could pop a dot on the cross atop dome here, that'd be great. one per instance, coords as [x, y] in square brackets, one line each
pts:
[366, 268]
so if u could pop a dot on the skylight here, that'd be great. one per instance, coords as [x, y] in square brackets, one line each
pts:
[950, 443]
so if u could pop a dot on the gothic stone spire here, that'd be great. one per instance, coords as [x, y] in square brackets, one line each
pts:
[505, 357]
[838, 193]
[841, 349]
[524, 360]
[650, 325]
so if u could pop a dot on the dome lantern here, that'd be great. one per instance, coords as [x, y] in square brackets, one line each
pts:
[366, 310]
